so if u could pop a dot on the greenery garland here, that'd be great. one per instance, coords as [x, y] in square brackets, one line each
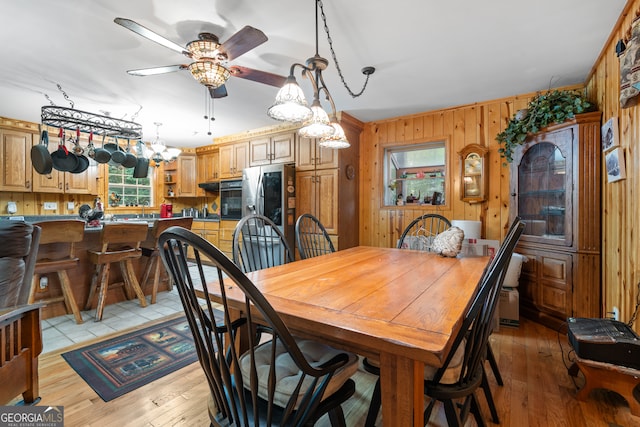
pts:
[544, 109]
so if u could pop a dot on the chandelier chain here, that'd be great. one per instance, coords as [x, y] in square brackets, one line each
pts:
[65, 95]
[335, 59]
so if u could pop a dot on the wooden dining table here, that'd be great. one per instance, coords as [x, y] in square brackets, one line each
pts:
[402, 306]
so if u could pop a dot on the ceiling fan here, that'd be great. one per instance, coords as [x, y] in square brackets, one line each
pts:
[209, 57]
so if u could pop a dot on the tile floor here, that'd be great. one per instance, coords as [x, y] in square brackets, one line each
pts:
[60, 332]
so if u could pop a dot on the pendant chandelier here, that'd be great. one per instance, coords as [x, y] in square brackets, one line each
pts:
[159, 150]
[291, 106]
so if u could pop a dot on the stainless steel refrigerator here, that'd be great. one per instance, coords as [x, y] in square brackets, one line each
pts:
[270, 191]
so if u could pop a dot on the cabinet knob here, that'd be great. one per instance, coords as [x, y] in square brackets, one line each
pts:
[28, 184]
[513, 194]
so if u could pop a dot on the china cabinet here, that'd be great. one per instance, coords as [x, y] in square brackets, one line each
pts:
[555, 189]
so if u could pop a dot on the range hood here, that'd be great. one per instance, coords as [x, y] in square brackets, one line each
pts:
[210, 186]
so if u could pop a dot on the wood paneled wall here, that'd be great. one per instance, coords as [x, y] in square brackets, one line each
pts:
[477, 123]
[620, 205]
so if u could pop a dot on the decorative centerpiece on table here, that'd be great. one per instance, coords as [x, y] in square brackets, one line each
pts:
[544, 109]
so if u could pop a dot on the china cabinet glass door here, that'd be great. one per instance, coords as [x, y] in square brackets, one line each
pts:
[544, 191]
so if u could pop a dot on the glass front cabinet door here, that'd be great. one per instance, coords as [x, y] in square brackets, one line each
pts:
[473, 180]
[542, 184]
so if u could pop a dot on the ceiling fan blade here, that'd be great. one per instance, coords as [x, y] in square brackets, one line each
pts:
[147, 33]
[157, 70]
[257, 76]
[242, 42]
[219, 92]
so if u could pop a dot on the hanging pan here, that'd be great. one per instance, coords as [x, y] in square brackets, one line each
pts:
[102, 155]
[62, 159]
[40, 156]
[142, 164]
[83, 161]
[130, 159]
[117, 154]
[91, 149]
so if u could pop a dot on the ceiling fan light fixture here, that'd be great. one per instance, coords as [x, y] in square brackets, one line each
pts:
[290, 104]
[336, 141]
[318, 126]
[209, 73]
[207, 47]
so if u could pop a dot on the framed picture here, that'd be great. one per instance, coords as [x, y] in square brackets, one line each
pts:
[614, 160]
[610, 135]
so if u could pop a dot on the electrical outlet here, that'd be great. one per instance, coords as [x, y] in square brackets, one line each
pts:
[616, 313]
[70, 206]
[50, 206]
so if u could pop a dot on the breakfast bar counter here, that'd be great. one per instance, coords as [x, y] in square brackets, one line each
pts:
[80, 277]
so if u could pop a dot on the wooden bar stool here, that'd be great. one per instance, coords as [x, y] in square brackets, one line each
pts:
[150, 250]
[120, 242]
[56, 254]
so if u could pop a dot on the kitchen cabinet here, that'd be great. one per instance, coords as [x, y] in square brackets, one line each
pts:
[208, 164]
[234, 157]
[208, 230]
[68, 183]
[310, 155]
[15, 152]
[327, 184]
[317, 192]
[180, 177]
[555, 189]
[225, 237]
[272, 149]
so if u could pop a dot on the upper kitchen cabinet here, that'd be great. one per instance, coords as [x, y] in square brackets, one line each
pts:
[310, 155]
[272, 149]
[208, 162]
[234, 157]
[180, 176]
[15, 152]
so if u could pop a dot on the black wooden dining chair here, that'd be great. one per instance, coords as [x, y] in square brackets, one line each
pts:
[258, 243]
[311, 237]
[463, 371]
[279, 380]
[419, 234]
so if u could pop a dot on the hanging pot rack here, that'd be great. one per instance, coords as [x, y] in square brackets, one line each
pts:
[72, 119]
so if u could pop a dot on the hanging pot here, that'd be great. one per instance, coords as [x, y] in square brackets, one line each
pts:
[130, 159]
[62, 159]
[117, 154]
[102, 155]
[83, 164]
[142, 168]
[40, 156]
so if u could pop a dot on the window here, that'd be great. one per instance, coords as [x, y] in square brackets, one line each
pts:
[415, 174]
[125, 190]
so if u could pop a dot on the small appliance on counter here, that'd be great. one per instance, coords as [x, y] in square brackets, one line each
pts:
[166, 210]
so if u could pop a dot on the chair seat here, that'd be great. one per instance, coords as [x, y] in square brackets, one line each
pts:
[288, 374]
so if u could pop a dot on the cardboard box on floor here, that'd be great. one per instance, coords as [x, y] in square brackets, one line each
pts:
[509, 309]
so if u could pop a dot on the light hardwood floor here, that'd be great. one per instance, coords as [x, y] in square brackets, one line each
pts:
[537, 392]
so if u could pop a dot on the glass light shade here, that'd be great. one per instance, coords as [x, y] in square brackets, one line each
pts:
[318, 126]
[174, 152]
[158, 146]
[290, 104]
[209, 73]
[203, 49]
[337, 140]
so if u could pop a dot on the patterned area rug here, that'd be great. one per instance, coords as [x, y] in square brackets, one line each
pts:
[125, 363]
